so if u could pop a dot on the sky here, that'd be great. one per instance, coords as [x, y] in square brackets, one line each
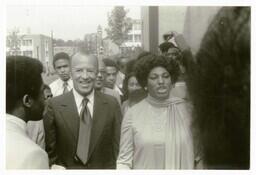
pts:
[66, 22]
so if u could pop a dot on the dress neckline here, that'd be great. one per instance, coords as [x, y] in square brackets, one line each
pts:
[163, 103]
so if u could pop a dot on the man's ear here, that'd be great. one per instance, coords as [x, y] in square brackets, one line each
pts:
[27, 100]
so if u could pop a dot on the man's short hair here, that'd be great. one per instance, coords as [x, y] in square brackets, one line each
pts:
[110, 63]
[165, 46]
[23, 76]
[58, 56]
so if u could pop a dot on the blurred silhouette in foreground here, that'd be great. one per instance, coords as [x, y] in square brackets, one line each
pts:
[219, 86]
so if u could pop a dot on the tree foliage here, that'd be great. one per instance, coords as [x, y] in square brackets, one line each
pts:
[13, 41]
[118, 25]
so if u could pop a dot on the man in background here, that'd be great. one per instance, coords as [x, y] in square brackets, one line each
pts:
[35, 129]
[171, 52]
[121, 63]
[61, 64]
[100, 79]
[111, 75]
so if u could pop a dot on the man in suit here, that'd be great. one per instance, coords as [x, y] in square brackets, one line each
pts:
[82, 127]
[24, 102]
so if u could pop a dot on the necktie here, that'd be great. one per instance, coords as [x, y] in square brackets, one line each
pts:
[65, 87]
[84, 132]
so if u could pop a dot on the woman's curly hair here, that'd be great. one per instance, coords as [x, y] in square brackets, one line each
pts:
[128, 74]
[144, 65]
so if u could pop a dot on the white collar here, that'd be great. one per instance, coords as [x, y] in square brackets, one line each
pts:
[79, 98]
[122, 75]
[116, 88]
[17, 121]
[61, 82]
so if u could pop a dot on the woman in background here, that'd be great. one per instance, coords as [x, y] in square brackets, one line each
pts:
[131, 87]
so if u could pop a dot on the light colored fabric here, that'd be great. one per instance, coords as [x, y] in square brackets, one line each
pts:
[119, 79]
[57, 167]
[35, 131]
[152, 137]
[57, 87]
[125, 106]
[179, 144]
[79, 99]
[112, 93]
[180, 90]
[21, 151]
[116, 88]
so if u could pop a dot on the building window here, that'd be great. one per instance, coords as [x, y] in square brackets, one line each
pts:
[28, 53]
[129, 38]
[46, 53]
[137, 38]
[8, 42]
[137, 26]
[27, 42]
[46, 45]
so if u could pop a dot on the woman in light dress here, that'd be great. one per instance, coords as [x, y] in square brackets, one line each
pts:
[156, 132]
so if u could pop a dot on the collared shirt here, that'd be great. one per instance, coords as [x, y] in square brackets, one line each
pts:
[21, 151]
[79, 99]
[119, 79]
[57, 87]
[116, 88]
[21, 125]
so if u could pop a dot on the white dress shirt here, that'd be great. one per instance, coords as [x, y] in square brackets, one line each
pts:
[57, 87]
[79, 99]
[21, 151]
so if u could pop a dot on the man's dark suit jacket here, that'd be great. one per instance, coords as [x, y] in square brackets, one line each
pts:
[61, 123]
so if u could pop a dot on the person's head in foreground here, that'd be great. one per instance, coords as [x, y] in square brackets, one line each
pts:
[24, 88]
[221, 90]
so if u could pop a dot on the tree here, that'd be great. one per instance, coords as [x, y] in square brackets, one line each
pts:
[13, 42]
[118, 25]
[90, 43]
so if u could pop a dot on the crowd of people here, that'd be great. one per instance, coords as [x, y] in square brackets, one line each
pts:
[172, 110]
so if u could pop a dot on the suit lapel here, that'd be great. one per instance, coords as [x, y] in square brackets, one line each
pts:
[99, 118]
[70, 114]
